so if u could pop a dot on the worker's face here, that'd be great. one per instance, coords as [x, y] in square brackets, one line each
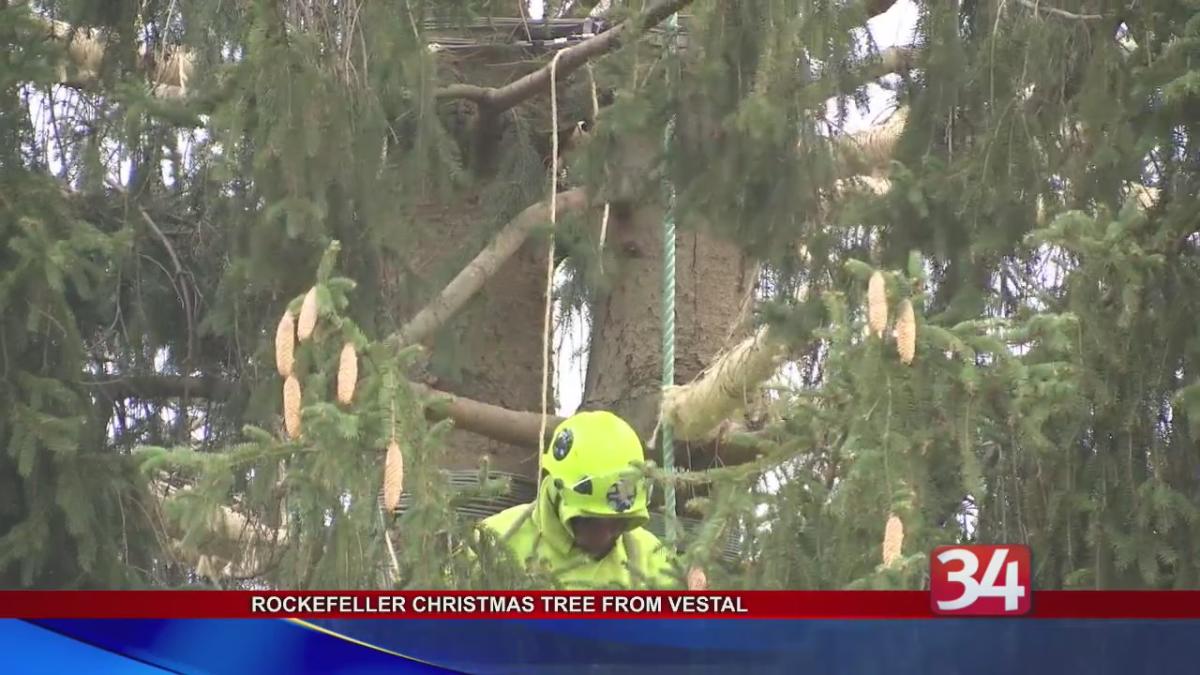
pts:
[597, 536]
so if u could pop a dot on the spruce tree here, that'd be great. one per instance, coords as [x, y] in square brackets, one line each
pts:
[178, 176]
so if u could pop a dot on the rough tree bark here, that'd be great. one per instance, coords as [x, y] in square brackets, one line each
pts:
[490, 350]
[713, 280]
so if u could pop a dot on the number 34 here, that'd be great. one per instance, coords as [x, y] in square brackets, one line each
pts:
[973, 590]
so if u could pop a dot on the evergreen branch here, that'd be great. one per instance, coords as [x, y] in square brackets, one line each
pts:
[180, 282]
[515, 427]
[754, 454]
[484, 266]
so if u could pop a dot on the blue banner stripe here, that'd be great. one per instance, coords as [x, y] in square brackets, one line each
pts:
[261, 646]
[33, 650]
[266, 646]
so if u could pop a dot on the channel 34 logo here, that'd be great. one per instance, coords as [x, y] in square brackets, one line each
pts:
[980, 580]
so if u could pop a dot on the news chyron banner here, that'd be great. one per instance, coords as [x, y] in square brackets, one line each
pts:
[980, 614]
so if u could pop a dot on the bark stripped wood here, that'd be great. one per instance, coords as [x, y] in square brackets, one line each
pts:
[867, 153]
[472, 278]
[697, 409]
[235, 547]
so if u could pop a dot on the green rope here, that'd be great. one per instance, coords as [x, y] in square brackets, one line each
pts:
[668, 326]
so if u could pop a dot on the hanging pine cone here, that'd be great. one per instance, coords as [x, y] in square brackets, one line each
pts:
[893, 540]
[877, 303]
[285, 337]
[906, 332]
[697, 580]
[308, 315]
[393, 476]
[347, 376]
[291, 406]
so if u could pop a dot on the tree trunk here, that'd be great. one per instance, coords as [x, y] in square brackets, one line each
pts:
[501, 338]
[491, 350]
[713, 282]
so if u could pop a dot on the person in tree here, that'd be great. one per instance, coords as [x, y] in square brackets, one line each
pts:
[587, 526]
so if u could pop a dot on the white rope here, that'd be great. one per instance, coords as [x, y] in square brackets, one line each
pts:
[546, 326]
[387, 535]
[391, 549]
[595, 116]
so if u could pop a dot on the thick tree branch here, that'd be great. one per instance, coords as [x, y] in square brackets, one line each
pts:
[499, 99]
[485, 265]
[1039, 7]
[471, 92]
[891, 60]
[515, 427]
[877, 7]
[509, 426]
[570, 60]
[161, 387]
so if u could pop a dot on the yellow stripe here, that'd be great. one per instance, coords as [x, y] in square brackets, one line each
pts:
[347, 638]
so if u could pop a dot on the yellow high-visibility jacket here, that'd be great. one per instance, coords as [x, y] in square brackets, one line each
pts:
[537, 538]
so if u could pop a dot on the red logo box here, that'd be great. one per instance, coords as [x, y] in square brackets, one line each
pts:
[980, 580]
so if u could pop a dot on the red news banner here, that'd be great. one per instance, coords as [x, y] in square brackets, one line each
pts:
[982, 581]
[568, 605]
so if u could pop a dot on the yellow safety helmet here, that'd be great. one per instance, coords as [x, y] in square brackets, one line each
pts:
[593, 462]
